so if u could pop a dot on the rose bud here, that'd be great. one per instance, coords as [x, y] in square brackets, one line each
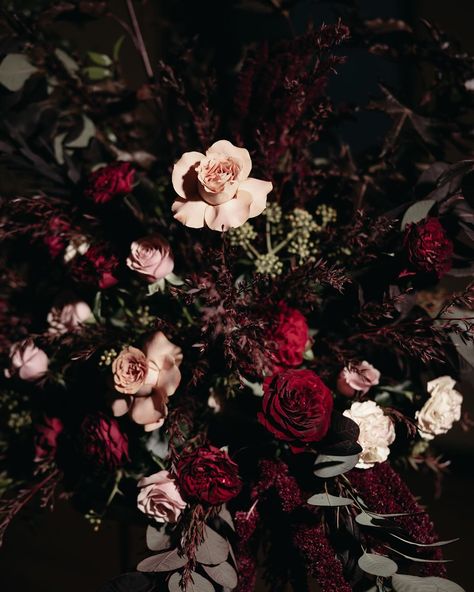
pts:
[428, 247]
[289, 332]
[208, 475]
[27, 360]
[159, 498]
[109, 181]
[103, 441]
[46, 438]
[151, 256]
[357, 378]
[68, 318]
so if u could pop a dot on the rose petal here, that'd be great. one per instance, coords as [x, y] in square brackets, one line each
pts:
[232, 214]
[159, 346]
[184, 176]
[240, 154]
[168, 380]
[258, 190]
[149, 427]
[121, 406]
[145, 411]
[190, 212]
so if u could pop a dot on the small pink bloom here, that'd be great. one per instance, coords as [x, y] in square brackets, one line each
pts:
[68, 318]
[109, 181]
[151, 256]
[27, 360]
[215, 189]
[159, 497]
[359, 378]
[46, 438]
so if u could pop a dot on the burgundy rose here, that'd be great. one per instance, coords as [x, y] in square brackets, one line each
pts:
[428, 247]
[208, 475]
[290, 334]
[109, 181]
[56, 237]
[296, 407]
[46, 438]
[97, 266]
[103, 441]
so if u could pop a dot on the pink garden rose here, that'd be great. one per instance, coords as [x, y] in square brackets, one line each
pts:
[27, 360]
[68, 318]
[151, 256]
[357, 379]
[159, 497]
[215, 189]
[147, 379]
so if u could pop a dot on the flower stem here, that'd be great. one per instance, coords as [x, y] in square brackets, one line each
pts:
[139, 39]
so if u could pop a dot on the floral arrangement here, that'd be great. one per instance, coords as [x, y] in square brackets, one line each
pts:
[218, 318]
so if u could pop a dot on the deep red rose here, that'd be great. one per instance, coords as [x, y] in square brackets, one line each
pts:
[428, 247]
[103, 442]
[97, 266]
[296, 407]
[56, 236]
[208, 475]
[46, 438]
[110, 181]
[289, 332]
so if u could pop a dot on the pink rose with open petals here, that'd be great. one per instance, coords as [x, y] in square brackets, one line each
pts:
[159, 497]
[27, 360]
[215, 189]
[68, 318]
[357, 378]
[147, 378]
[151, 256]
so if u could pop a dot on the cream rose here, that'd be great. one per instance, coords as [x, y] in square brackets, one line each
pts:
[358, 378]
[441, 410]
[159, 498]
[376, 432]
[215, 189]
[148, 378]
[27, 360]
[69, 317]
[151, 256]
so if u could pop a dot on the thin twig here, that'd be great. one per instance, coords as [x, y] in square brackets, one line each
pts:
[139, 38]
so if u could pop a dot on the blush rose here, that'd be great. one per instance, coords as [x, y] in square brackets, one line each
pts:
[159, 497]
[68, 318]
[151, 256]
[27, 360]
[359, 378]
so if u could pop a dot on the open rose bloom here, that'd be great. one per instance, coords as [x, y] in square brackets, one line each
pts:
[215, 189]
[159, 497]
[441, 410]
[151, 256]
[27, 361]
[146, 379]
[68, 318]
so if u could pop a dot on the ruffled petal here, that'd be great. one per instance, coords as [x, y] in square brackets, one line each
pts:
[146, 411]
[159, 346]
[240, 154]
[190, 212]
[149, 427]
[232, 214]
[258, 190]
[169, 378]
[184, 176]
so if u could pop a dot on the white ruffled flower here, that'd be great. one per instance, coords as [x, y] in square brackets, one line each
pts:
[441, 410]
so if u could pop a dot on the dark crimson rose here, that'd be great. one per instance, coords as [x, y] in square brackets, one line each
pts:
[208, 475]
[46, 438]
[103, 442]
[296, 407]
[428, 247]
[109, 181]
[97, 266]
[56, 236]
[289, 332]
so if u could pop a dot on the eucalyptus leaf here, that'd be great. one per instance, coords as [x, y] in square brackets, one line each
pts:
[70, 65]
[255, 387]
[167, 561]
[437, 544]
[417, 212]
[155, 287]
[157, 539]
[15, 70]
[214, 549]
[227, 517]
[174, 280]
[59, 148]
[223, 574]
[406, 583]
[377, 565]
[326, 499]
[365, 519]
[197, 584]
[328, 465]
[87, 133]
[419, 559]
[101, 59]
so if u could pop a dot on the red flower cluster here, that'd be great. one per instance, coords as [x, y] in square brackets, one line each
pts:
[103, 441]
[46, 438]
[296, 407]
[208, 475]
[97, 266]
[290, 336]
[110, 181]
[56, 237]
[428, 247]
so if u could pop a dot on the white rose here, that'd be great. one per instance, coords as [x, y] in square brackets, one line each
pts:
[376, 432]
[441, 410]
[69, 317]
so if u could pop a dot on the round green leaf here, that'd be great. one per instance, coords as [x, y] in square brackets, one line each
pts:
[377, 565]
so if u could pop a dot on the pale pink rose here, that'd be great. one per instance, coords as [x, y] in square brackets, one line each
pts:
[68, 318]
[159, 498]
[215, 189]
[376, 432]
[357, 379]
[151, 256]
[152, 375]
[27, 360]
[441, 410]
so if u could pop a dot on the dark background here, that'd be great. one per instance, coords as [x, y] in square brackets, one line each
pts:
[59, 551]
